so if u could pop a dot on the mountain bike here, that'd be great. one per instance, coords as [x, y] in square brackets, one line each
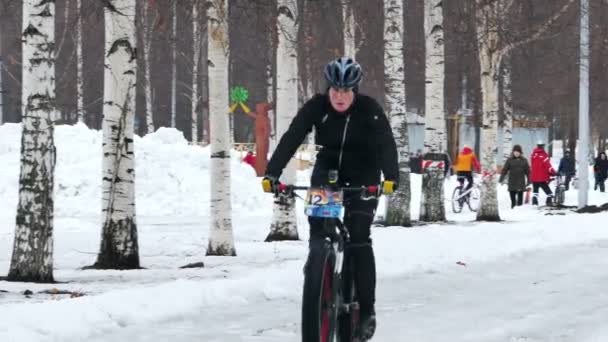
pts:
[462, 196]
[330, 311]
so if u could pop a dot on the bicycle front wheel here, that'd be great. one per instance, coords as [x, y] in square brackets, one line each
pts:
[318, 300]
[456, 200]
[474, 199]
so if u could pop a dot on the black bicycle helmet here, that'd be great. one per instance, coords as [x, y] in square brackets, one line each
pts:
[343, 72]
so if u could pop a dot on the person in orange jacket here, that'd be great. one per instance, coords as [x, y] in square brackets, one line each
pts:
[465, 163]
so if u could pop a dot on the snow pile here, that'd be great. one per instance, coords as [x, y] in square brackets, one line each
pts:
[172, 177]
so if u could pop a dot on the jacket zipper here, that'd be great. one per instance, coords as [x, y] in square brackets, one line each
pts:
[343, 141]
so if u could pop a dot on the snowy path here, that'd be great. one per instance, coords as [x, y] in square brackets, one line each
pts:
[557, 294]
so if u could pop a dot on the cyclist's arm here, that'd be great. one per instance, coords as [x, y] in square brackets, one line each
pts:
[300, 126]
[476, 164]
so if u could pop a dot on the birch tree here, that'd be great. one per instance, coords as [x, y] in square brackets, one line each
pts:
[32, 258]
[146, 32]
[119, 243]
[398, 207]
[80, 114]
[507, 108]
[196, 36]
[432, 206]
[493, 48]
[348, 19]
[221, 239]
[284, 224]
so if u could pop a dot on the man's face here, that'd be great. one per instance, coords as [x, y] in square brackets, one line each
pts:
[341, 99]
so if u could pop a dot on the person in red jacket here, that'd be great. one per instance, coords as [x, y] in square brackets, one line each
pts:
[541, 172]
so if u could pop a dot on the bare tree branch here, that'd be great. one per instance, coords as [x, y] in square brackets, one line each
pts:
[539, 32]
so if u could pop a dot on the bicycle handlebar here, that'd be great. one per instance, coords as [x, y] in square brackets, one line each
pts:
[284, 188]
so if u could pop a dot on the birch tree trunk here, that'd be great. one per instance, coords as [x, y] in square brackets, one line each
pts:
[147, 41]
[270, 85]
[32, 259]
[221, 239]
[196, 34]
[348, 19]
[507, 107]
[489, 60]
[173, 62]
[270, 99]
[432, 206]
[119, 243]
[284, 223]
[79, 65]
[398, 207]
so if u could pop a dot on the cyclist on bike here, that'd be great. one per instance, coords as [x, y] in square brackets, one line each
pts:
[356, 140]
[465, 163]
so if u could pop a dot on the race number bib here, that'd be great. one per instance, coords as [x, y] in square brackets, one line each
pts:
[324, 203]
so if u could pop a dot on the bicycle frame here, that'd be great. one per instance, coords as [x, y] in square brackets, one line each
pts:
[466, 192]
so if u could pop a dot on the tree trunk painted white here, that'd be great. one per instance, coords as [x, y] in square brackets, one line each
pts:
[196, 35]
[398, 206]
[32, 258]
[79, 65]
[119, 243]
[173, 62]
[348, 19]
[284, 223]
[507, 107]
[221, 238]
[432, 205]
[147, 42]
[489, 60]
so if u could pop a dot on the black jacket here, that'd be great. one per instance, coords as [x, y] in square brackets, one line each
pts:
[359, 143]
[566, 166]
[601, 167]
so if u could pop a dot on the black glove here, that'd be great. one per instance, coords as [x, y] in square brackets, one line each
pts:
[270, 183]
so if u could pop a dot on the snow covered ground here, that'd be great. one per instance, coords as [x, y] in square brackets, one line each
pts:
[423, 294]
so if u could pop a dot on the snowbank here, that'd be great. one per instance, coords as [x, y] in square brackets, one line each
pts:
[172, 206]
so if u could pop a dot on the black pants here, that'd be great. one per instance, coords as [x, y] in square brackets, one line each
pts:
[517, 198]
[546, 189]
[567, 182]
[358, 218]
[468, 175]
[599, 182]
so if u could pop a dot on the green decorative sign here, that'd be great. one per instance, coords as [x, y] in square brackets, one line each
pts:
[238, 96]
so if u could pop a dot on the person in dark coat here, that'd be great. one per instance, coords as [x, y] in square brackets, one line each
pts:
[600, 169]
[518, 171]
[567, 168]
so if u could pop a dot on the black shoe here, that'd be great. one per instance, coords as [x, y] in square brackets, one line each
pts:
[367, 327]
[534, 201]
